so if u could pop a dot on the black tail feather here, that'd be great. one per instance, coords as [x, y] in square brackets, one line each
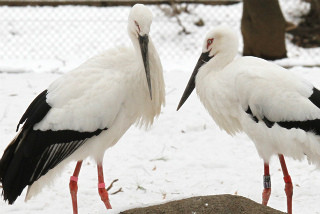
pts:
[5, 162]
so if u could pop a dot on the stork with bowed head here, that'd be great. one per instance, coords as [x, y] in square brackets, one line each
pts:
[84, 112]
[278, 110]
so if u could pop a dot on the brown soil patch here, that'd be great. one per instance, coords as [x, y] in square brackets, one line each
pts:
[216, 204]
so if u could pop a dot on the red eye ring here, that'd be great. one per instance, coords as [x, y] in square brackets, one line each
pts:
[209, 42]
[136, 23]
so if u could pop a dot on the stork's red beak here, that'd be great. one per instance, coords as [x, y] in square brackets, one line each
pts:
[192, 81]
[144, 41]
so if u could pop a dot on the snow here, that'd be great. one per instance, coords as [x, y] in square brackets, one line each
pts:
[183, 155]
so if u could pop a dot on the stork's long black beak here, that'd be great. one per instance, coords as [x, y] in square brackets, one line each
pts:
[192, 81]
[144, 41]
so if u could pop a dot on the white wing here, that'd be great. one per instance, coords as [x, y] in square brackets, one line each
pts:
[87, 98]
[273, 92]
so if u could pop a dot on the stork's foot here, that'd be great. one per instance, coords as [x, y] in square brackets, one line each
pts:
[73, 185]
[289, 192]
[104, 195]
[265, 196]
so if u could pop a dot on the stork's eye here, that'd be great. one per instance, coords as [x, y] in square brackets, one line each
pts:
[136, 23]
[209, 42]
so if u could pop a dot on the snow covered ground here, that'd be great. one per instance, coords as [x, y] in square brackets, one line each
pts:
[183, 155]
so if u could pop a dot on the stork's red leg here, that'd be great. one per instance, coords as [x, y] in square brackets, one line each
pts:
[102, 187]
[266, 184]
[73, 185]
[287, 179]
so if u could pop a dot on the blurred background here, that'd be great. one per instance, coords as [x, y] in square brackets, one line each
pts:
[51, 34]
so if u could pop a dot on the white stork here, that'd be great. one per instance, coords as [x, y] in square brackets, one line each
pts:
[84, 112]
[278, 110]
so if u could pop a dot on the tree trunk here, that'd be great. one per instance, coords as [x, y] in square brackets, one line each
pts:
[307, 33]
[315, 10]
[263, 29]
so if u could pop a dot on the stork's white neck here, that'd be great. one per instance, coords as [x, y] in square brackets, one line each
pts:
[136, 45]
[152, 107]
[135, 42]
[215, 65]
[220, 60]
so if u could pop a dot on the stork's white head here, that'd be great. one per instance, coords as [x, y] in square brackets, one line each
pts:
[140, 19]
[139, 23]
[221, 41]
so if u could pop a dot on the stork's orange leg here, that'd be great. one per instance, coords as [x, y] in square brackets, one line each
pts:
[73, 185]
[101, 187]
[287, 179]
[266, 184]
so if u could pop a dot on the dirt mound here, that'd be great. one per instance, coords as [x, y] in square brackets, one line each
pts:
[215, 204]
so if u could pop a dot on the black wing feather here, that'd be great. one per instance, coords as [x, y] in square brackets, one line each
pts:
[306, 125]
[36, 110]
[34, 152]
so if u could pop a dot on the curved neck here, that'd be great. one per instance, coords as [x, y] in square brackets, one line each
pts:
[137, 48]
[220, 60]
[151, 107]
[151, 49]
[135, 43]
[215, 65]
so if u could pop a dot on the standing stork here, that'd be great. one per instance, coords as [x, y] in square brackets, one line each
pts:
[278, 110]
[84, 112]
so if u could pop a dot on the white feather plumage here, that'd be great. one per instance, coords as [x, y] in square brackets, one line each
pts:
[227, 86]
[108, 91]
